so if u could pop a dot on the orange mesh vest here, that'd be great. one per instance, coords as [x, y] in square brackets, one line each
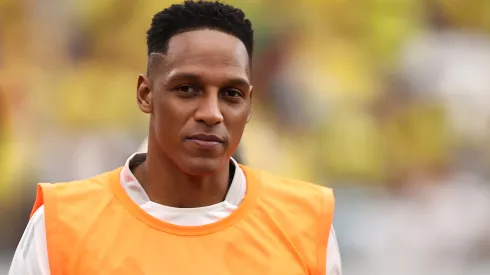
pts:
[93, 227]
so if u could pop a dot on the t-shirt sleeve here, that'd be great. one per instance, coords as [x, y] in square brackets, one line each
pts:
[334, 264]
[31, 255]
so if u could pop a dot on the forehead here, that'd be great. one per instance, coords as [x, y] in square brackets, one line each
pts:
[207, 52]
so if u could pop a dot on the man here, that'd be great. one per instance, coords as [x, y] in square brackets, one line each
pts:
[185, 207]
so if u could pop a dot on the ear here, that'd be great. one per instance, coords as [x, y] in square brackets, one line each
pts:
[250, 110]
[144, 94]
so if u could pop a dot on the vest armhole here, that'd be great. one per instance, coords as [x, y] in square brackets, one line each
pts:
[325, 224]
[46, 195]
[39, 198]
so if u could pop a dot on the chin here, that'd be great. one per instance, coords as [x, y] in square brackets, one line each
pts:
[203, 166]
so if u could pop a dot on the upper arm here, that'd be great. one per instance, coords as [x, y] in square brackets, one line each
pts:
[31, 256]
[334, 264]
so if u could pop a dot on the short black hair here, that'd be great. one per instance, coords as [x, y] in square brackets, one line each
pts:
[195, 15]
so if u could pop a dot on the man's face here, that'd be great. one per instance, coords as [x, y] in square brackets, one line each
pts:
[198, 97]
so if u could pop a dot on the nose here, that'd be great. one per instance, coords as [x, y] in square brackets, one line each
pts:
[208, 110]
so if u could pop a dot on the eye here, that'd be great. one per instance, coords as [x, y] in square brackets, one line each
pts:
[187, 90]
[232, 93]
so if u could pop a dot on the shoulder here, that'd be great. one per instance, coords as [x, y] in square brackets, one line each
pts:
[49, 194]
[291, 198]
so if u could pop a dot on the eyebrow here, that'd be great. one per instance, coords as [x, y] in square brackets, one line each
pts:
[182, 76]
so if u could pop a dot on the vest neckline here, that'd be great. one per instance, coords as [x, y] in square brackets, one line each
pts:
[253, 184]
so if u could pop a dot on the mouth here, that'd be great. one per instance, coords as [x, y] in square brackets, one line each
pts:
[206, 141]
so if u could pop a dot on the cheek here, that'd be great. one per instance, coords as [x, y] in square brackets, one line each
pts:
[236, 123]
[169, 118]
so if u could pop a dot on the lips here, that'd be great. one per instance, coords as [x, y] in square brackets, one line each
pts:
[206, 141]
[206, 137]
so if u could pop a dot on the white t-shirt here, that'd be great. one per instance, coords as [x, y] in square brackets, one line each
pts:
[31, 256]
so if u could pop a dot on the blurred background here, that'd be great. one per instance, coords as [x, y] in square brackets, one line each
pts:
[387, 101]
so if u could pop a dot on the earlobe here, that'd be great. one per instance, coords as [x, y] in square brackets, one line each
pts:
[144, 94]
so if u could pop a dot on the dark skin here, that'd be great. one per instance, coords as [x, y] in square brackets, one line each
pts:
[198, 96]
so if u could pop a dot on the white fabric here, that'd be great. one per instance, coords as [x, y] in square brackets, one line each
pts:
[31, 256]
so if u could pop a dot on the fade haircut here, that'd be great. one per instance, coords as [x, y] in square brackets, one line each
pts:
[197, 15]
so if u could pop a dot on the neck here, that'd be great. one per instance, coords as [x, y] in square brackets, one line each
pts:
[166, 184]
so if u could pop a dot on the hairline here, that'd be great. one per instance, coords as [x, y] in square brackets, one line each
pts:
[162, 53]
